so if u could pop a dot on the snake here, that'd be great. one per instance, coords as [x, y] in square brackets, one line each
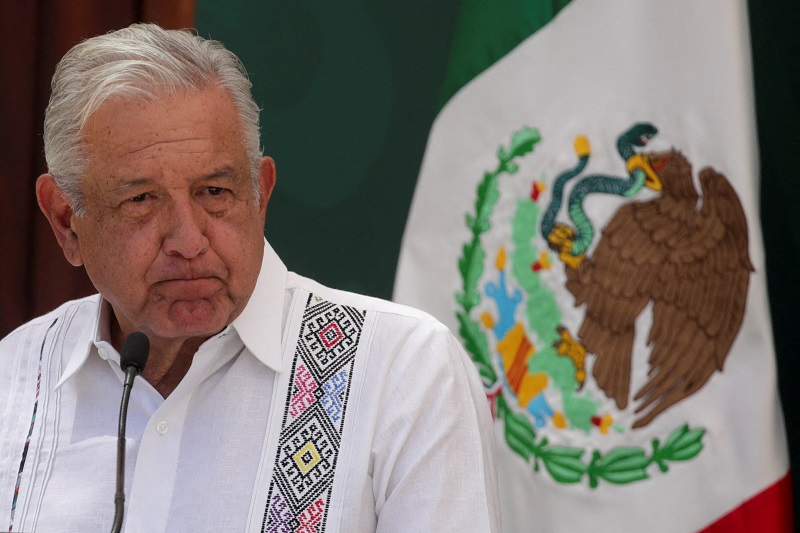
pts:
[639, 171]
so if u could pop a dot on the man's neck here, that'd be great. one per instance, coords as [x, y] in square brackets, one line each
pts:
[169, 359]
[168, 367]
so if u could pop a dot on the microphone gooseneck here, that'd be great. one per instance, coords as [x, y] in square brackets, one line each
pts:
[134, 355]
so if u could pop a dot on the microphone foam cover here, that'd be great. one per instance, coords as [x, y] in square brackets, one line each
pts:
[135, 351]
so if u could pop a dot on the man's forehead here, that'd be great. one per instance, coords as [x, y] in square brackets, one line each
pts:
[195, 135]
[135, 101]
[138, 122]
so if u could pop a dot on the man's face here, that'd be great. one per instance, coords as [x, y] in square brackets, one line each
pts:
[172, 235]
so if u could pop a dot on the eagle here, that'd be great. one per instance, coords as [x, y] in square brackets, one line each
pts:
[686, 257]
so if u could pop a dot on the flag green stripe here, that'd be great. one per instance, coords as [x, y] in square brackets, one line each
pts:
[486, 31]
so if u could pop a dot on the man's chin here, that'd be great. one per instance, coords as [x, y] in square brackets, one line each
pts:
[193, 319]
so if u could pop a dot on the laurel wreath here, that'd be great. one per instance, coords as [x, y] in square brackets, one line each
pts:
[620, 465]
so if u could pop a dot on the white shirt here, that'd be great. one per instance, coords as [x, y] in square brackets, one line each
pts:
[415, 454]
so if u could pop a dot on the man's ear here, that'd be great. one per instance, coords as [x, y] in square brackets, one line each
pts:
[266, 182]
[58, 211]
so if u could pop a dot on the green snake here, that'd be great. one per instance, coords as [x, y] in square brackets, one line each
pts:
[636, 136]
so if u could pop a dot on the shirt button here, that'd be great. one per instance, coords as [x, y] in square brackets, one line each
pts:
[162, 427]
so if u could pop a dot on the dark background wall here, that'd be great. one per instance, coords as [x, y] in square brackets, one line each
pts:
[776, 48]
[34, 34]
[349, 91]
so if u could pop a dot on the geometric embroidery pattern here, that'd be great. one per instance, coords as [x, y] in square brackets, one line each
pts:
[334, 397]
[311, 431]
[303, 389]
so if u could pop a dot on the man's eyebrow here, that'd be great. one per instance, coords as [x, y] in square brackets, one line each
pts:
[225, 172]
[132, 183]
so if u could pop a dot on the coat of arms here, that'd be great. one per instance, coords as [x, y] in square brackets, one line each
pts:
[678, 256]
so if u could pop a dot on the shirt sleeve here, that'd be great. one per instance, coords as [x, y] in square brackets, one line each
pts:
[433, 449]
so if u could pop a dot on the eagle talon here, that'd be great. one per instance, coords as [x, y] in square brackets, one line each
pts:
[560, 239]
[572, 261]
[569, 346]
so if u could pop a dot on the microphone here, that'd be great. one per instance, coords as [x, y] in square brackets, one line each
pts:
[134, 354]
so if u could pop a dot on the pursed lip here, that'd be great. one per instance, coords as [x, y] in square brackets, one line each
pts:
[190, 287]
[187, 272]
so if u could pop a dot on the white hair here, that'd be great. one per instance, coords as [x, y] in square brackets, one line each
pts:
[142, 62]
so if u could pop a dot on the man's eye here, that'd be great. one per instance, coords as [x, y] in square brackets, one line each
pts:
[139, 197]
[215, 191]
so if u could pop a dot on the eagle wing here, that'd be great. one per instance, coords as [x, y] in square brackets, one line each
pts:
[615, 286]
[698, 299]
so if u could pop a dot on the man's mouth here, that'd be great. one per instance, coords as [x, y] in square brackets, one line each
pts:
[197, 287]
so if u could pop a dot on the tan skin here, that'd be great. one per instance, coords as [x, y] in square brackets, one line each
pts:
[172, 236]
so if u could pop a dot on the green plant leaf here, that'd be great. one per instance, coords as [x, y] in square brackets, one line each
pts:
[523, 141]
[564, 464]
[622, 465]
[471, 267]
[683, 444]
[487, 196]
[471, 222]
[476, 345]
[519, 433]
[502, 155]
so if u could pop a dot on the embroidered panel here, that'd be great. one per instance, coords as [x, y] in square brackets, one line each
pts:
[313, 418]
[30, 430]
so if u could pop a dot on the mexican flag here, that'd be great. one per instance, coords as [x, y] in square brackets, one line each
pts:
[586, 221]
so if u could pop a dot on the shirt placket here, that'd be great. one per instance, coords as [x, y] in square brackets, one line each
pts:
[159, 449]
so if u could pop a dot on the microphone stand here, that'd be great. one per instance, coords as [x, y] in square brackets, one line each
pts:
[132, 360]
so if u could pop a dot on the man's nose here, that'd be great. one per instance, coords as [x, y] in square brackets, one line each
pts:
[185, 229]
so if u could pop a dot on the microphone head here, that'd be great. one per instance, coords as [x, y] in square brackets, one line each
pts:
[135, 351]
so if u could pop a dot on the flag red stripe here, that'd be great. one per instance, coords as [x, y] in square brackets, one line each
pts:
[769, 511]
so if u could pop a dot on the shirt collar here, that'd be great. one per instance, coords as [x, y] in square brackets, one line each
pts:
[94, 331]
[259, 325]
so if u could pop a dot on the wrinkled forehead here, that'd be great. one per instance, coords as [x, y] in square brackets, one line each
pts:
[186, 123]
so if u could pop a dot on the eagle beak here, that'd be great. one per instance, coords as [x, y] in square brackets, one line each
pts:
[643, 162]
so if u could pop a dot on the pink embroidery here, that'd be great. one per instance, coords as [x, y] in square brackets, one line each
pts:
[304, 395]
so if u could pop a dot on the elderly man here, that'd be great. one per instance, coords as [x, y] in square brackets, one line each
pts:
[269, 402]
